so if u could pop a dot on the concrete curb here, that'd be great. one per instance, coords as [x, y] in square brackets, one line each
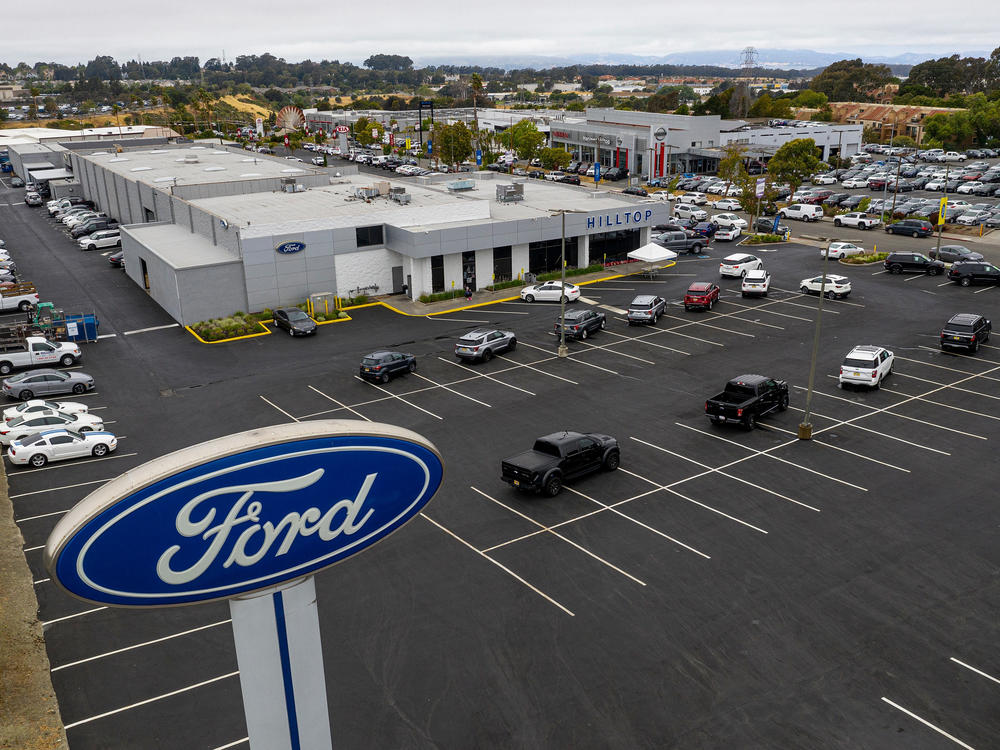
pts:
[30, 712]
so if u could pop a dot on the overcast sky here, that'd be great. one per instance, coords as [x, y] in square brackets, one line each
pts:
[350, 31]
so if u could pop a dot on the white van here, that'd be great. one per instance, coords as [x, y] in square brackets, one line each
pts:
[801, 211]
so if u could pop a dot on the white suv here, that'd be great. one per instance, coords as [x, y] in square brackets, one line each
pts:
[802, 211]
[689, 211]
[866, 365]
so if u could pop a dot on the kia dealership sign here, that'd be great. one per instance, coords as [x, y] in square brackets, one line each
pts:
[243, 512]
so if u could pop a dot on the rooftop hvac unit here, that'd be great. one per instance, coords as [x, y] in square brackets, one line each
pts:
[396, 191]
[300, 188]
[288, 184]
[508, 193]
[401, 198]
[365, 192]
[190, 158]
[382, 187]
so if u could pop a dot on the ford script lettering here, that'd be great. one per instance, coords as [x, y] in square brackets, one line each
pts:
[217, 526]
[287, 248]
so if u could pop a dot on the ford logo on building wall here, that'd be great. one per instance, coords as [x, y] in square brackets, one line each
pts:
[287, 248]
[243, 512]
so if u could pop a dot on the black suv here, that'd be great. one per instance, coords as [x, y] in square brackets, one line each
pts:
[382, 365]
[915, 227]
[974, 272]
[581, 323]
[901, 262]
[965, 331]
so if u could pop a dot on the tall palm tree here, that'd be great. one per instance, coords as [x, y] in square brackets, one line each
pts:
[34, 101]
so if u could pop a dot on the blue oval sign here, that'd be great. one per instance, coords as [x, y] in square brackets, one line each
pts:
[241, 513]
[287, 248]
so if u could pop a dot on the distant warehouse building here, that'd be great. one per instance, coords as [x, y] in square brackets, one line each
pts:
[209, 231]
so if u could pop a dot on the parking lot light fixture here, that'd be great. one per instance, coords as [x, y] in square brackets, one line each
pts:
[563, 350]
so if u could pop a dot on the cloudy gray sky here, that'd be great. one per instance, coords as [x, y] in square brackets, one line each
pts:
[351, 31]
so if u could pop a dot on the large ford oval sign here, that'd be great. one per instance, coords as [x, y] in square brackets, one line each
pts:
[287, 248]
[243, 512]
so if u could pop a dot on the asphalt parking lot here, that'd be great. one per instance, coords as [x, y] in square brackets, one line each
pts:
[721, 589]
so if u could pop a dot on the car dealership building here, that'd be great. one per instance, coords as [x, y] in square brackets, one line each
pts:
[208, 231]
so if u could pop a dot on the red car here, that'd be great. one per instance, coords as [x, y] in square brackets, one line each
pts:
[701, 294]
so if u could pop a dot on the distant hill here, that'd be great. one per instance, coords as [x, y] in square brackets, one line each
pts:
[783, 59]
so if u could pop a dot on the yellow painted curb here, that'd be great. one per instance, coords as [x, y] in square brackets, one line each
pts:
[335, 320]
[266, 332]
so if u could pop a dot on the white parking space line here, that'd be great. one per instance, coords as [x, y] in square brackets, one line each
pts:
[502, 567]
[151, 328]
[700, 323]
[56, 489]
[774, 458]
[457, 320]
[642, 340]
[237, 743]
[719, 471]
[43, 515]
[342, 406]
[942, 367]
[612, 288]
[954, 388]
[928, 724]
[485, 376]
[46, 623]
[71, 464]
[878, 273]
[979, 359]
[33, 549]
[745, 320]
[938, 403]
[571, 358]
[832, 302]
[107, 335]
[615, 310]
[106, 654]
[588, 301]
[874, 432]
[637, 522]
[152, 700]
[451, 390]
[268, 401]
[393, 395]
[855, 454]
[916, 276]
[492, 311]
[537, 369]
[984, 289]
[693, 501]
[883, 411]
[762, 308]
[977, 671]
[556, 534]
[607, 348]
[808, 307]
[40, 581]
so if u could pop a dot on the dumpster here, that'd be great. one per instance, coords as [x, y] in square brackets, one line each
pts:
[81, 326]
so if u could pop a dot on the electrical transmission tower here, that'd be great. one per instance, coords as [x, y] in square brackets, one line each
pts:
[748, 64]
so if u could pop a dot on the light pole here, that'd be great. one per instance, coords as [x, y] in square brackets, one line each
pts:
[805, 427]
[563, 351]
[942, 213]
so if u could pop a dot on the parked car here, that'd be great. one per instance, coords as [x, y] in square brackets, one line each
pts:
[117, 259]
[569, 179]
[16, 181]
[689, 211]
[954, 254]
[841, 250]
[856, 219]
[729, 220]
[484, 343]
[727, 204]
[102, 239]
[36, 405]
[646, 308]
[614, 174]
[755, 283]
[913, 227]
[697, 199]
[908, 262]
[293, 320]
[968, 272]
[382, 365]
[766, 225]
[738, 264]
[550, 291]
[21, 427]
[59, 445]
[802, 211]
[866, 365]
[555, 458]
[834, 286]
[32, 198]
[728, 234]
[701, 294]
[27, 385]
[966, 331]
[581, 323]
[745, 399]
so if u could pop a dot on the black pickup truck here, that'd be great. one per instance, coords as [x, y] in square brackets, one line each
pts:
[558, 457]
[747, 398]
[682, 242]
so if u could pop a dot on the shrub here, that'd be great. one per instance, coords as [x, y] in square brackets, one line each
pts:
[439, 297]
[760, 239]
[553, 275]
[224, 328]
[857, 260]
[504, 285]
[863, 206]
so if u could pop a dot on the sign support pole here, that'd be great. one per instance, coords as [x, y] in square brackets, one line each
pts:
[280, 657]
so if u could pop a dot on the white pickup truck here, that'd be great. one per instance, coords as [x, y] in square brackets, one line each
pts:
[18, 296]
[36, 351]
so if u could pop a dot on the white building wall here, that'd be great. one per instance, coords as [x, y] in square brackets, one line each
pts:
[453, 272]
[365, 268]
[583, 250]
[420, 276]
[484, 268]
[518, 260]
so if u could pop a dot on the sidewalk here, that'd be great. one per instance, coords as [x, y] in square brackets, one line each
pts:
[402, 304]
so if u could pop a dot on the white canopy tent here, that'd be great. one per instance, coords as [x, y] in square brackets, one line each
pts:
[654, 256]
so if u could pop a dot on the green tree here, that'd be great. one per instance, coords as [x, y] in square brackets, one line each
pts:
[810, 99]
[681, 110]
[525, 138]
[578, 107]
[554, 158]
[847, 80]
[794, 162]
[731, 167]
[662, 102]
[452, 143]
